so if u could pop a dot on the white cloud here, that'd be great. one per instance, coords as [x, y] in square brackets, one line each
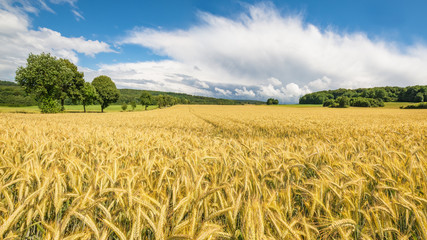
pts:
[320, 84]
[17, 40]
[74, 9]
[78, 15]
[263, 43]
[46, 39]
[292, 92]
[274, 81]
[31, 6]
[11, 23]
[244, 92]
[287, 94]
[270, 91]
[257, 55]
[223, 91]
[203, 84]
[71, 2]
[155, 75]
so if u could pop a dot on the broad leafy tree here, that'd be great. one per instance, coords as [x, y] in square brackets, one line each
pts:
[343, 102]
[124, 106]
[272, 101]
[107, 91]
[88, 95]
[161, 101]
[71, 86]
[42, 77]
[133, 105]
[146, 99]
[50, 79]
[165, 100]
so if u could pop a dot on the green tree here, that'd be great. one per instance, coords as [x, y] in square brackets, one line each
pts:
[380, 93]
[43, 76]
[329, 102]
[107, 91]
[419, 97]
[49, 105]
[368, 93]
[272, 101]
[343, 102]
[161, 101]
[146, 99]
[317, 97]
[71, 86]
[133, 105]
[88, 95]
[169, 100]
[124, 106]
[50, 79]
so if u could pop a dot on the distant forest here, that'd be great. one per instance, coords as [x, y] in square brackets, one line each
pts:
[129, 95]
[11, 94]
[382, 94]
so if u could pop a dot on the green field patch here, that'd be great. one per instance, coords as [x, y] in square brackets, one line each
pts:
[76, 109]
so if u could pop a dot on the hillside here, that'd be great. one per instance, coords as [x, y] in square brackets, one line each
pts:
[11, 94]
[128, 95]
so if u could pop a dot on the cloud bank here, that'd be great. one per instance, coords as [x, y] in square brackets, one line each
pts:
[17, 39]
[264, 54]
[257, 55]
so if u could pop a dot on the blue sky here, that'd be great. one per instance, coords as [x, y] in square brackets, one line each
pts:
[228, 49]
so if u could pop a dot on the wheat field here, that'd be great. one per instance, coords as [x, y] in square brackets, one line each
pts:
[215, 172]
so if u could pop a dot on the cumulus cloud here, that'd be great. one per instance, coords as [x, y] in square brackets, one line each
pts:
[244, 92]
[223, 91]
[320, 84]
[270, 91]
[274, 81]
[261, 43]
[17, 40]
[287, 94]
[292, 91]
[166, 75]
[259, 54]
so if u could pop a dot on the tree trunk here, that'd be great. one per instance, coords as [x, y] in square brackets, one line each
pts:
[84, 108]
[62, 104]
[145, 107]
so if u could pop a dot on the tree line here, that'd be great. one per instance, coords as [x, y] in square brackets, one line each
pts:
[366, 97]
[272, 101]
[13, 95]
[50, 82]
[344, 101]
[129, 95]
